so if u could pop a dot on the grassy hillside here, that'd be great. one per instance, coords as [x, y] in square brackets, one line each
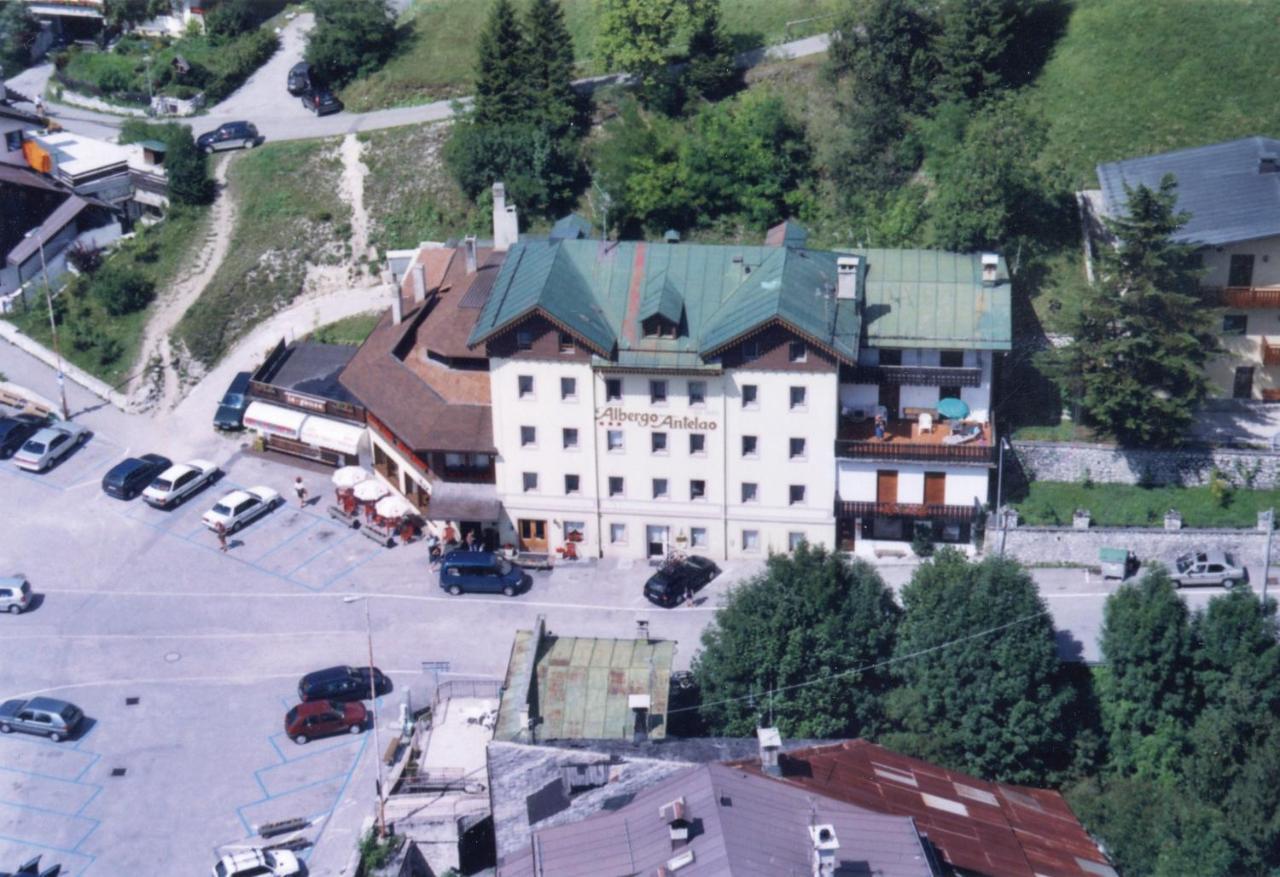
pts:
[1131, 77]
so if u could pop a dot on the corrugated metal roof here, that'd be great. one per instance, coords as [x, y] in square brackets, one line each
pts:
[661, 299]
[1219, 185]
[571, 227]
[584, 685]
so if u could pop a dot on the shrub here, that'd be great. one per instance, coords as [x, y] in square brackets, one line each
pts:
[352, 38]
[1219, 488]
[922, 540]
[86, 258]
[230, 19]
[122, 291]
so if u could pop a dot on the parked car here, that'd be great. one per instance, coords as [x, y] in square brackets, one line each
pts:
[130, 477]
[341, 684]
[231, 135]
[1207, 568]
[14, 431]
[178, 482]
[240, 507]
[679, 577]
[321, 101]
[15, 594]
[230, 414]
[56, 719]
[50, 445]
[324, 718]
[258, 863]
[299, 78]
[480, 572]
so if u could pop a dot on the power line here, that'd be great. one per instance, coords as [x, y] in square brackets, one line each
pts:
[868, 667]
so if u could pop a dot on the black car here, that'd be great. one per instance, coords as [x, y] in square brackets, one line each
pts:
[299, 78]
[342, 683]
[14, 432]
[321, 101]
[230, 414]
[679, 578]
[130, 477]
[232, 135]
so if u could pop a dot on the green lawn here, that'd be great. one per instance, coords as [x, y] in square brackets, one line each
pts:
[101, 344]
[1051, 503]
[350, 330]
[409, 194]
[437, 58]
[1130, 77]
[288, 213]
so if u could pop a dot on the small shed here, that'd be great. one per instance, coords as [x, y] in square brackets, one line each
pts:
[153, 151]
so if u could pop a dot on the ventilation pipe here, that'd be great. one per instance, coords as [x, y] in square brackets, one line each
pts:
[847, 269]
[419, 283]
[470, 244]
[770, 744]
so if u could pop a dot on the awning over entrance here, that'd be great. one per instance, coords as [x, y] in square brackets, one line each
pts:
[274, 420]
[463, 502]
[344, 438]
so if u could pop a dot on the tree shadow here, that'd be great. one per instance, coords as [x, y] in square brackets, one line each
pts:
[1033, 41]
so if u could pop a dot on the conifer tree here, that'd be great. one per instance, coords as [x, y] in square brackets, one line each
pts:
[503, 92]
[551, 64]
[711, 71]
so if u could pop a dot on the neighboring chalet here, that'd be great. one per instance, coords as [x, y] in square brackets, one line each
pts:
[1232, 192]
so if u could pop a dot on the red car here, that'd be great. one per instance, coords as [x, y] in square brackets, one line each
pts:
[323, 718]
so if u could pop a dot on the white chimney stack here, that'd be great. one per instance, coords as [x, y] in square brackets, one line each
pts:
[825, 845]
[506, 225]
[3, 94]
[470, 244]
[770, 745]
[419, 283]
[847, 269]
[990, 267]
[397, 309]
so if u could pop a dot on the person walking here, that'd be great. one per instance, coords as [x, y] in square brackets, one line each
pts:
[301, 490]
[221, 529]
[40, 107]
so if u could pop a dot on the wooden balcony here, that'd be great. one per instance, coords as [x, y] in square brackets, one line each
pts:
[1270, 352]
[904, 442]
[849, 510]
[1245, 297]
[918, 375]
[306, 402]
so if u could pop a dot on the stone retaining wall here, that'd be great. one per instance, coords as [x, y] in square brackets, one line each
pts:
[1187, 467]
[1049, 545]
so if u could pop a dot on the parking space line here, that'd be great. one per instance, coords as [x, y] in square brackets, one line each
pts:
[305, 529]
[320, 554]
[40, 846]
[342, 792]
[67, 816]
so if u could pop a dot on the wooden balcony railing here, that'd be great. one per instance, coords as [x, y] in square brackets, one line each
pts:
[918, 375]
[850, 510]
[1245, 297]
[1270, 352]
[306, 402]
[905, 442]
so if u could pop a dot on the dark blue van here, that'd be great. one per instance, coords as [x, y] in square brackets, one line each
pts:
[480, 572]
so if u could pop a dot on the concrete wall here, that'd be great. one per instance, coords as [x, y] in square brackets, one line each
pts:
[1062, 461]
[1066, 545]
[1266, 262]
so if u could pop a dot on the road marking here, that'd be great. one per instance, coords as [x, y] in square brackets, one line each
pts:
[209, 680]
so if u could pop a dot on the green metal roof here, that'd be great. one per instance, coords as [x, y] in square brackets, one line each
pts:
[661, 299]
[584, 685]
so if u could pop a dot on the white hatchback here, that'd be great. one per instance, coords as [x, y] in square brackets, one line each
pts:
[258, 863]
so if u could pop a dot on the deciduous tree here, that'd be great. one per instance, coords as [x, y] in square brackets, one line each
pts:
[18, 31]
[351, 38]
[635, 37]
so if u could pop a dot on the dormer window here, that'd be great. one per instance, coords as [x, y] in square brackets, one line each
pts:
[658, 327]
[750, 351]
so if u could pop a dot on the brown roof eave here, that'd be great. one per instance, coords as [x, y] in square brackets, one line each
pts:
[790, 327]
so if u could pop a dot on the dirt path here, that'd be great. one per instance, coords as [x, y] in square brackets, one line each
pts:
[351, 273]
[158, 384]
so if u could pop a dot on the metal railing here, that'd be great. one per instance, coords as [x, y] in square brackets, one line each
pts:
[847, 510]
[918, 375]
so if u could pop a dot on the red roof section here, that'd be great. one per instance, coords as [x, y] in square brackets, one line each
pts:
[995, 829]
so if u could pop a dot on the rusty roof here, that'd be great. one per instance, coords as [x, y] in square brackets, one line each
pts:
[995, 829]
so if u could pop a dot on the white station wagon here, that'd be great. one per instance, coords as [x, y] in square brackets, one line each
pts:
[239, 507]
[178, 482]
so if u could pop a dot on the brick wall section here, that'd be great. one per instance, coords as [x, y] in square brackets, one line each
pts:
[1033, 545]
[1189, 467]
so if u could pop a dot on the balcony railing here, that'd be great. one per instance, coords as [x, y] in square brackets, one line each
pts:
[1270, 352]
[307, 402]
[905, 442]
[850, 510]
[918, 375]
[1245, 297]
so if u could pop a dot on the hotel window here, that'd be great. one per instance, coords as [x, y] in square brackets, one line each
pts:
[891, 357]
[797, 449]
[658, 442]
[698, 537]
[750, 540]
[799, 398]
[530, 482]
[617, 534]
[1235, 324]
[525, 386]
[572, 484]
[657, 392]
[613, 389]
[749, 491]
[797, 494]
[615, 485]
[797, 352]
[528, 436]
[750, 446]
[569, 437]
[697, 489]
[948, 393]
[951, 359]
[750, 396]
[568, 389]
[794, 539]
[750, 351]
[697, 394]
[614, 439]
[524, 339]
[659, 488]
[566, 343]
[697, 444]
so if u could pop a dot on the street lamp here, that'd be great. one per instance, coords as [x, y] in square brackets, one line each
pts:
[373, 699]
[146, 59]
[53, 324]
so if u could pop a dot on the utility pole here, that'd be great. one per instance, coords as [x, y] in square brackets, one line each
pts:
[373, 705]
[53, 324]
[1000, 516]
[1266, 563]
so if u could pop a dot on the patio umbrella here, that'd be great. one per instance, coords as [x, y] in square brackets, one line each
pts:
[350, 476]
[393, 506]
[371, 491]
[953, 408]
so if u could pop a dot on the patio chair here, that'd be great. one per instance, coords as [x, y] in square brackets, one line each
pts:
[926, 422]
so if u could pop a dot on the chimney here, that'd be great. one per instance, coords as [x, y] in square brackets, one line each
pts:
[675, 814]
[990, 268]
[470, 244]
[397, 309]
[506, 225]
[825, 845]
[1268, 162]
[419, 283]
[770, 744]
[847, 269]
